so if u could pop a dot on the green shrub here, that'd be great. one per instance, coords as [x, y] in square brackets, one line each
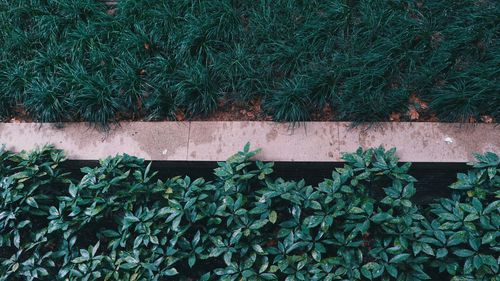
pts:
[30, 184]
[119, 222]
[156, 58]
[465, 229]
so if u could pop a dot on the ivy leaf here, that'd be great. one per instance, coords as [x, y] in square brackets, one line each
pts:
[399, 258]
[381, 217]
[130, 218]
[489, 237]
[17, 239]
[73, 190]
[258, 224]
[170, 272]
[392, 270]
[457, 238]
[316, 255]
[441, 253]
[53, 211]
[191, 261]
[372, 270]
[464, 253]
[31, 201]
[409, 190]
[273, 216]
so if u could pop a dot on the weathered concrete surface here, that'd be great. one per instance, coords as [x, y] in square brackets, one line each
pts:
[162, 141]
[425, 142]
[215, 141]
[315, 141]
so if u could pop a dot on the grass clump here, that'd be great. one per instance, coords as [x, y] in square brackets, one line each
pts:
[364, 59]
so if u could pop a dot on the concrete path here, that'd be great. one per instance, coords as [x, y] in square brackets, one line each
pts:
[215, 141]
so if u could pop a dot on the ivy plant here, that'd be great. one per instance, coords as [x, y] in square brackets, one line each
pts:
[119, 221]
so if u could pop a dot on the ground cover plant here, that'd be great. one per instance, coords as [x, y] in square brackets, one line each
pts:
[119, 222]
[362, 60]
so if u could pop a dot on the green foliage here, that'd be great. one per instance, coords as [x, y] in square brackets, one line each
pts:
[77, 60]
[29, 186]
[119, 222]
[465, 228]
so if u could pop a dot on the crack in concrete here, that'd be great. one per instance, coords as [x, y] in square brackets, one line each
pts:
[338, 141]
[188, 141]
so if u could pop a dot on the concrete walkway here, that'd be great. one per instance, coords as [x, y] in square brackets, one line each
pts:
[215, 141]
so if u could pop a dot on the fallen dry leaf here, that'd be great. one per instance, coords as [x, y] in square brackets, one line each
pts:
[256, 105]
[414, 99]
[413, 113]
[147, 46]
[255, 102]
[179, 116]
[221, 102]
[395, 117]
[472, 119]
[327, 109]
[433, 118]
[487, 119]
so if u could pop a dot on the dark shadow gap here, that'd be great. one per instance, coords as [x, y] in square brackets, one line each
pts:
[433, 178]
